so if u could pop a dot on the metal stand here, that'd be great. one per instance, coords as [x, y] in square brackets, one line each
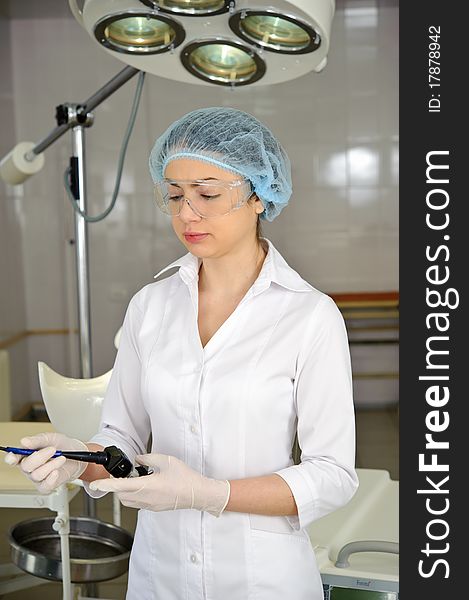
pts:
[57, 501]
[77, 117]
[78, 165]
[82, 263]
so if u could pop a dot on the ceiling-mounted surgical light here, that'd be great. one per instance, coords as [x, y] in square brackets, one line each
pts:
[223, 42]
[137, 32]
[223, 62]
[195, 8]
[275, 31]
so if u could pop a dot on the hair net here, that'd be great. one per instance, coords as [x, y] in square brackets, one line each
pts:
[233, 140]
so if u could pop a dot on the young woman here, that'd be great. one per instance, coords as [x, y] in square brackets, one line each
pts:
[221, 364]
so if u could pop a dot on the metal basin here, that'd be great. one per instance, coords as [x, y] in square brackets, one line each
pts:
[98, 551]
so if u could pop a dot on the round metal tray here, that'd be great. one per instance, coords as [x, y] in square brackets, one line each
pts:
[98, 551]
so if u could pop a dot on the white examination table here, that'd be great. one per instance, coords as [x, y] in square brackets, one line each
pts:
[371, 516]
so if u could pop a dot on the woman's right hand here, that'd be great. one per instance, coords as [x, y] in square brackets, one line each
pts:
[45, 472]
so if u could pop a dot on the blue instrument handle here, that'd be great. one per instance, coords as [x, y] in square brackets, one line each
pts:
[112, 458]
[99, 458]
[25, 451]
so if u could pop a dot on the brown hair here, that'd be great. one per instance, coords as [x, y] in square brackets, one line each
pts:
[259, 232]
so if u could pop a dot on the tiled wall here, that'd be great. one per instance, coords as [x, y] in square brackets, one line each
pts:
[340, 128]
[12, 293]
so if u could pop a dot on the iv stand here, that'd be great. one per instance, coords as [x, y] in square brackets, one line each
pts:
[76, 117]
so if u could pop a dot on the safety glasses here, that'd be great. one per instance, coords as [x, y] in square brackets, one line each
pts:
[207, 198]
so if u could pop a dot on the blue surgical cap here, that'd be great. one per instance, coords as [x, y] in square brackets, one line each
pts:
[233, 140]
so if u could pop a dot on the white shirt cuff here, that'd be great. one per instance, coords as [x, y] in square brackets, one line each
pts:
[303, 493]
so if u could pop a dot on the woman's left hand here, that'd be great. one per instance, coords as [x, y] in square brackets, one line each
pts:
[173, 485]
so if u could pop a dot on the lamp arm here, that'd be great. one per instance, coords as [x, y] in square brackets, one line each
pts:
[26, 158]
[92, 102]
[109, 88]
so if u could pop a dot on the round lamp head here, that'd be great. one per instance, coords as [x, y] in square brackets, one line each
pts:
[275, 31]
[222, 62]
[189, 8]
[136, 32]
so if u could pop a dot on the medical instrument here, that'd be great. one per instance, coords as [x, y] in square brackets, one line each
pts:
[177, 486]
[111, 458]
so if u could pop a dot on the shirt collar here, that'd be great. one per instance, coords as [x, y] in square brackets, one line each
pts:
[188, 268]
[274, 269]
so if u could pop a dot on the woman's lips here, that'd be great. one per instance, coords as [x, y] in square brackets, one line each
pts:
[195, 237]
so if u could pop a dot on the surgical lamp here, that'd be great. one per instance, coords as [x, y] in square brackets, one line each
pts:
[223, 42]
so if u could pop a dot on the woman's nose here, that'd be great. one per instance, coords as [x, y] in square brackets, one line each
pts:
[187, 213]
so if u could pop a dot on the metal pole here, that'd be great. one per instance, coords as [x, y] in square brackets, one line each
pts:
[83, 287]
[47, 141]
[82, 272]
[82, 263]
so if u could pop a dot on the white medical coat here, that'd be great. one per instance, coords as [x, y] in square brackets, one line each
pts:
[279, 364]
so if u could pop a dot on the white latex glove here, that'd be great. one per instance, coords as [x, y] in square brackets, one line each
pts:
[48, 474]
[173, 485]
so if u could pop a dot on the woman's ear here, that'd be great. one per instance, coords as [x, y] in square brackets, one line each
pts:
[258, 206]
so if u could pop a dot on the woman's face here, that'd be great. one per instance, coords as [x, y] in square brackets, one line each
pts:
[224, 233]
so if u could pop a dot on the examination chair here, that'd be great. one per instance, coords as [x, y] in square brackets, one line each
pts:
[74, 408]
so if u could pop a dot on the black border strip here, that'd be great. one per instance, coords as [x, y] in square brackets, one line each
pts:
[432, 132]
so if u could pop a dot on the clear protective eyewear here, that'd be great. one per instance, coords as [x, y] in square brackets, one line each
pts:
[207, 198]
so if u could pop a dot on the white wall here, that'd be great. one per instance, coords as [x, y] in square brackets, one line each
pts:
[340, 128]
[12, 293]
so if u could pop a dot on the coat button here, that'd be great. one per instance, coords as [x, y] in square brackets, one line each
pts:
[193, 428]
[193, 558]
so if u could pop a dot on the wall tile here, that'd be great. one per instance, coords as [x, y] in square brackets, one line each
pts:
[364, 164]
[364, 215]
[389, 209]
[330, 119]
[319, 209]
[362, 69]
[330, 165]
[362, 123]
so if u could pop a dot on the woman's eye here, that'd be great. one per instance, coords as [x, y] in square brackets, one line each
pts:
[174, 198]
[207, 197]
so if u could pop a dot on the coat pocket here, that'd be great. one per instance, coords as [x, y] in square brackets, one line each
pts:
[283, 566]
[280, 525]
